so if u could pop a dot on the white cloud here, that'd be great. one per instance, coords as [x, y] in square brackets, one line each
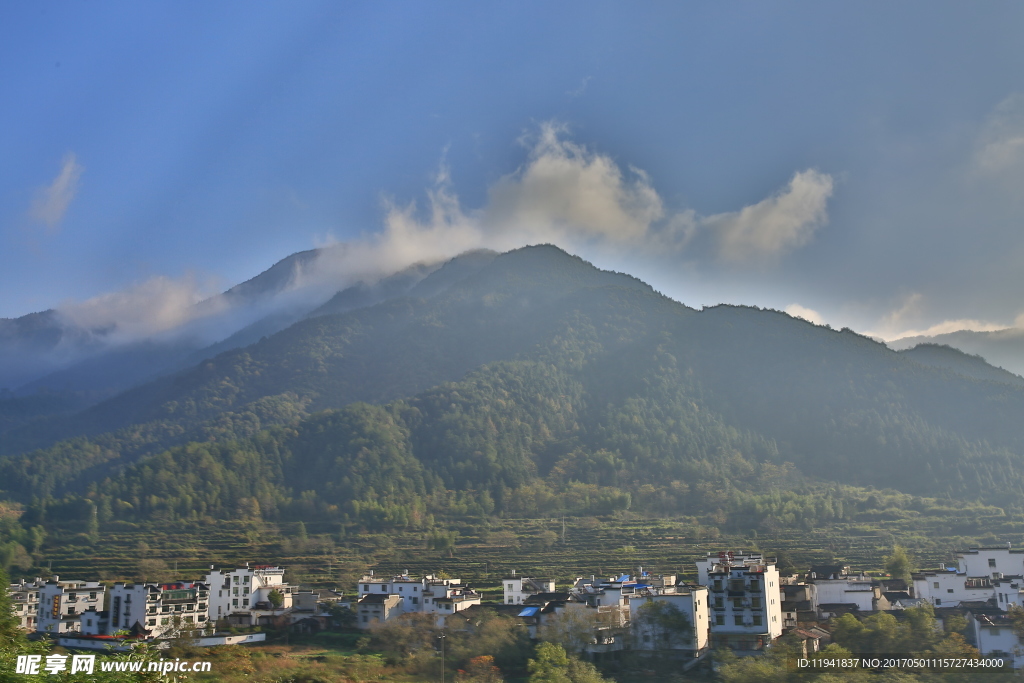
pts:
[567, 190]
[564, 193]
[900, 322]
[51, 202]
[777, 224]
[146, 308]
[1000, 145]
[808, 314]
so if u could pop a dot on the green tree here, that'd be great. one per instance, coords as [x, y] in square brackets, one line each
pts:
[899, 563]
[276, 598]
[550, 666]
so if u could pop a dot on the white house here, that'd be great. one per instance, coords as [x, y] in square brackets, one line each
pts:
[950, 588]
[159, 608]
[991, 561]
[428, 595]
[995, 637]
[651, 633]
[746, 600]
[25, 602]
[518, 588]
[60, 603]
[845, 589]
[246, 590]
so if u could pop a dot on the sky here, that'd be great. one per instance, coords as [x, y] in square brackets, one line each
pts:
[857, 164]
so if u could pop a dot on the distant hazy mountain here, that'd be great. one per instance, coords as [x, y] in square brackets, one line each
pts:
[1002, 348]
[955, 360]
[498, 372]
[47, 353]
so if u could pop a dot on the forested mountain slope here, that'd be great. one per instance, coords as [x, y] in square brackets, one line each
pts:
[533, 383]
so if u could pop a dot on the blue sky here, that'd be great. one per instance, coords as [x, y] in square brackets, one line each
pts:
[861, 163]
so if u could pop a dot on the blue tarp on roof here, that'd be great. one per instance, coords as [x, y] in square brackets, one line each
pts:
[529, 611]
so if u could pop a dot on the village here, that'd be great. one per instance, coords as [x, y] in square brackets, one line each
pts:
[738, 602]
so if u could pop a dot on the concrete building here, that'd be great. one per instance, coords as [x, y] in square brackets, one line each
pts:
[654, 634]
[950, 588]
[746, 600]
[518, 588]
[377, 608]
[994, 636]
[428, 595]
[991, 561]
[159, 609]
[25, 602]
[837, 585]
[60, 603]
[246, 590]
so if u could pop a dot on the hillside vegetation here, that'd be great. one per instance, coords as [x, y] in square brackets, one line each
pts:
[534, 384]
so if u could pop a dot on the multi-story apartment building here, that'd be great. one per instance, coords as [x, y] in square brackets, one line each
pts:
[247, 589]
[159, 609]
[25, 602]
[746, 601]
[60, 603]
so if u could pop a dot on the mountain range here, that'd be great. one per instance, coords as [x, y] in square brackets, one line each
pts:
[524, 382]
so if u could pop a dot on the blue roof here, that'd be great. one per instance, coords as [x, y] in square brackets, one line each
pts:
[529, 611]
[624, 577]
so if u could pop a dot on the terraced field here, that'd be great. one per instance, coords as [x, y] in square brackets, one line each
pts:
[485, 552]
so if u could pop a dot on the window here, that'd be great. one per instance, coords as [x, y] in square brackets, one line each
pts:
[719, 602]
[234, 603]
[245, 579]
[738, 619]
[401, 589]
[938, 602]
[366, 587]
[236, 579]
[415, 601]
[755, 603]
[151, 622]
[935, 584]
[737, 603]
[949, 590]
[365, 618]
[991, 561]
[165, 621]
[718, 584]
[245, 603]
[757, 620]
[720, 620]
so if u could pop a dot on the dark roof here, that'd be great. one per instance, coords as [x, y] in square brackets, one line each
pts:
[373, 598]
[893, 596]
[824, 571]
[546, 597]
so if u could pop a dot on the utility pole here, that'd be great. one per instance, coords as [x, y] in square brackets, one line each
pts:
[442, 656]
